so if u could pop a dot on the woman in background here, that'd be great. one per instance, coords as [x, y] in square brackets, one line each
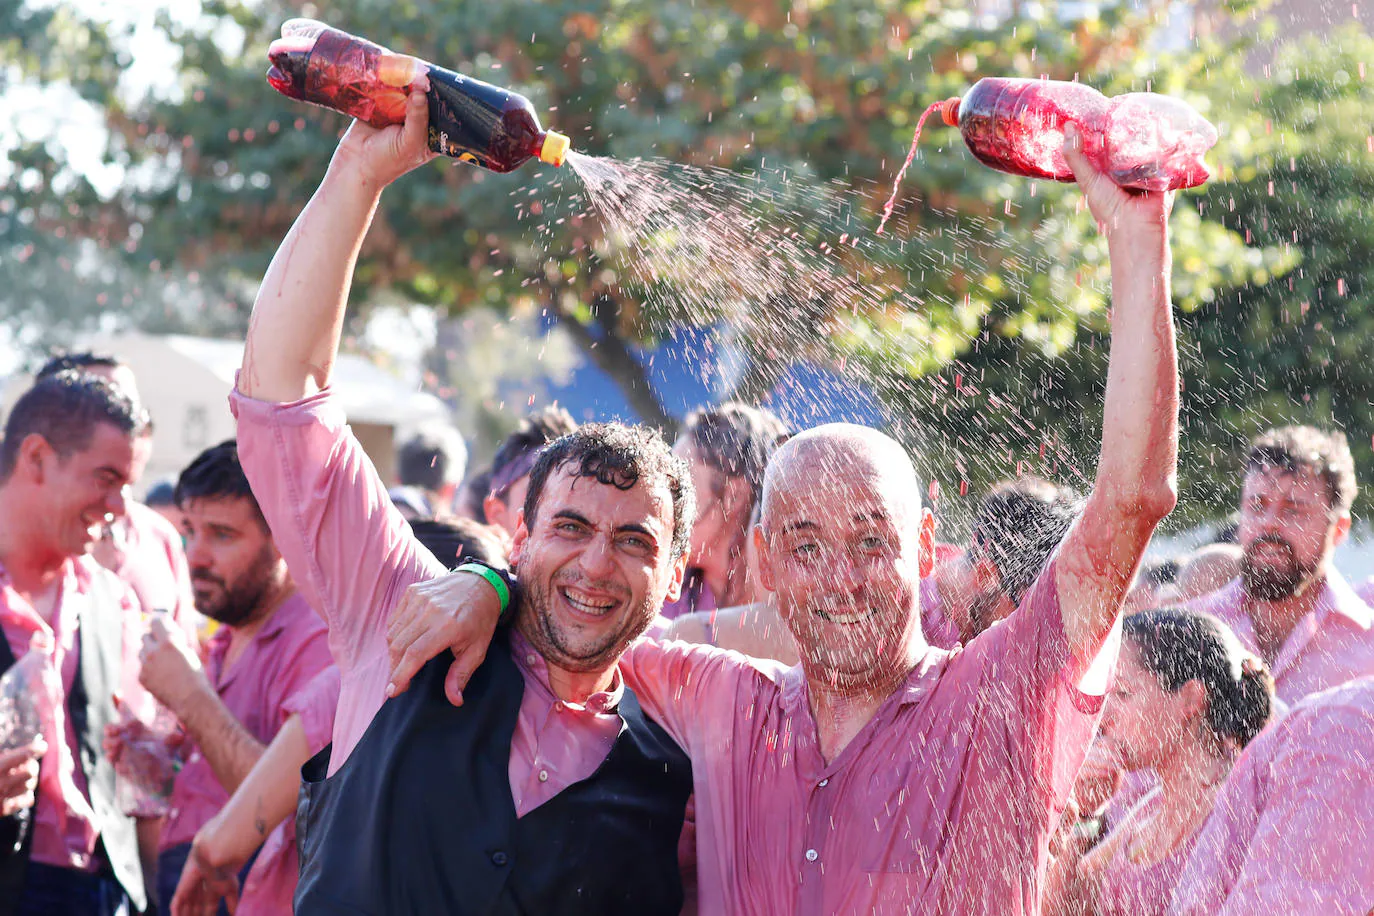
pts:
[1188, 697]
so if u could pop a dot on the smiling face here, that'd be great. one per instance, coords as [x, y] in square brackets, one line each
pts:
[83, 490]
[595, 566]
[1288, 531]
[843, 544]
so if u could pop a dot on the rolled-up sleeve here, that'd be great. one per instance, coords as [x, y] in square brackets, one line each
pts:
[349, 551]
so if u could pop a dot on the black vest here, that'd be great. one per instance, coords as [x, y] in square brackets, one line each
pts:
[91, 707]
[420, 820]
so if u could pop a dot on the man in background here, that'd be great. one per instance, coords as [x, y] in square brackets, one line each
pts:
[66, 462]
[1289, 604]
[269, 645]
[431, 464]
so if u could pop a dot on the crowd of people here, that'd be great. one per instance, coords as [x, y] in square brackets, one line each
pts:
[735, 673]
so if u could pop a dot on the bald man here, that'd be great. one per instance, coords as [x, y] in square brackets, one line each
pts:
[882, 775]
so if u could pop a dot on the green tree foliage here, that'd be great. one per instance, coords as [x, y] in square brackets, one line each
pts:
[990, 345]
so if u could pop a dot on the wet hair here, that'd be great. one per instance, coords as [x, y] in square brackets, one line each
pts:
[622, 457]
[515, 457]
[64, 409]
[737, 440]
[216, 474]
[454, 540]
[432, 458]
[1018, 525]
[1306, 449]
[162, 493]
[78, 361]
[1178, 646]
[1160, 572]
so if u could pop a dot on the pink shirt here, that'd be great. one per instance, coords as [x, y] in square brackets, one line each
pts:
[353, 556]
[65, 826]
[283, 656]
[1332, 644]
[1129, 889]
[1292, 831]
[271, 883]
[1366, 591]
[154, 566]
[943, 803]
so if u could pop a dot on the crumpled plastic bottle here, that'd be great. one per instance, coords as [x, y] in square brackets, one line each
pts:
[29, 693]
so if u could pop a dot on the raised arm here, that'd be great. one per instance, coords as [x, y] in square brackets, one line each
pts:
[293, 336]
[1136, 484]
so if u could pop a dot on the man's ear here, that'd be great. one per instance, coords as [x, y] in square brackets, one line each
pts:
[765, 560]
[517, 542]
[679, 572]
[926, 545]
[35, 457]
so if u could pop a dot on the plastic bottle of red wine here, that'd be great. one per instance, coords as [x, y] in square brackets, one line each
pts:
[1140, 140]
[468, 119]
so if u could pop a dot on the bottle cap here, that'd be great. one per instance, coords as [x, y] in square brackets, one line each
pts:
[949, 111]
[555, 148]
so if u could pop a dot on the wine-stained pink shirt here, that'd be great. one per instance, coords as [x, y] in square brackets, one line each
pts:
[65, 828]
[943, 803]
[353, 555]
[1293, 828]
[1132, 889]
[1330, 645]
[284, 655]
[270, 886]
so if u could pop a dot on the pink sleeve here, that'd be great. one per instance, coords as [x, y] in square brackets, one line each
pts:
[350, 552]
[316, 705]
[1311, 848]
[1025, 678]
[683, 686]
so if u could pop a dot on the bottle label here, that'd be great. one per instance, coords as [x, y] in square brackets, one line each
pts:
[460, 126]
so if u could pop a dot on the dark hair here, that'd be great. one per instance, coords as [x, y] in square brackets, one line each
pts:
[1018, 525]
[433, 457]
[453, 540]
[78, 361]
[162, 493]
[622, 457]
[473, 492]
[737, 440]
[64, 409]
[1306, 449]
[1178, 646]
[515, 457]
[1160, 572]
[216, 474]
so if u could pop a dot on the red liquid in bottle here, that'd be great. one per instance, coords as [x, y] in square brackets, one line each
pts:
[468, 119]
[1140, 140]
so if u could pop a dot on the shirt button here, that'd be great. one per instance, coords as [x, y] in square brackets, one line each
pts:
[543, 775]
[824, 782]
[531, 658]
[499, 858]
[812, 855]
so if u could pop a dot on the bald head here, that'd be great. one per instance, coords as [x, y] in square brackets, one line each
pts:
[843, 456]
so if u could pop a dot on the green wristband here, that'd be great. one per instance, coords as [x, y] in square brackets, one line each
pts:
[493, 577]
